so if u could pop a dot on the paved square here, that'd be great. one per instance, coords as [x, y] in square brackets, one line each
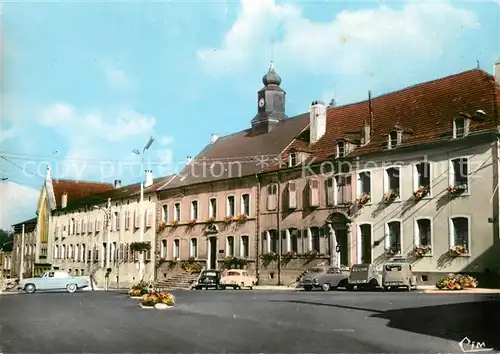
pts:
[248, 322]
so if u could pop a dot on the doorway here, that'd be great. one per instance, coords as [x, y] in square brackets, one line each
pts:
[212, 257]
[366, 243]
[342, 246]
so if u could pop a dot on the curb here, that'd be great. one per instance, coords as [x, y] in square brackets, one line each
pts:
[466, 291]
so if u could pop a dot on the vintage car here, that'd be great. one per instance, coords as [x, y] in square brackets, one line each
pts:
[398, 274]
[325, 278]
[237, 279]
[209, 278]
[53, 280]
[364, 277]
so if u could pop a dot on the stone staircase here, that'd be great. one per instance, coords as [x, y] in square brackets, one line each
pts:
[178, 280]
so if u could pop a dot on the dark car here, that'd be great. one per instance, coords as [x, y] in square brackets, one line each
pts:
[208, 279]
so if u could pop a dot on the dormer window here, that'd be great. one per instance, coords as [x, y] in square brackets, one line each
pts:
[394, 139]
[460, 127]
[292, 159]
[340, 149]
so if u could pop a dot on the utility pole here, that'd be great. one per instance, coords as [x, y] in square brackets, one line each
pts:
[21, 275]
[108, 238]
[119, 251]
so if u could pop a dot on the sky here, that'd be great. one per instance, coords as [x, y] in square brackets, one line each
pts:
[85, 83]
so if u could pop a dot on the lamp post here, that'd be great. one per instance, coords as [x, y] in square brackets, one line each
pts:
[141, 208]
[107, 213]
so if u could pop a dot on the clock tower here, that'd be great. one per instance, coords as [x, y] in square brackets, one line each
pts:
[270, 103]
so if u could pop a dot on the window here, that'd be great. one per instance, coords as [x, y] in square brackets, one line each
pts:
[460, 232]
[313, 193]
[423, 232]
[294, 240]
[193, 249]
[330, 191]
[127, 219]
[116, 221]
[273, 241]
[392, 182]
[272, 196]
[177, 212]
[194, 210]
[459, 174]
[393, 237]
[315, 239]
[230, 206]
[292, 159]
[165, 214]
[292, 195]
[71, 227]
[212, 208]
[422, 176]
[244, 246]
[177, 251]
[460, 127]
[343, 190]
[56, 252]
[364, 183]
[245, 204]
[230, 246]
[394, 139]
[340, 149]
[163, 249]
[136, 219]
[148, 218]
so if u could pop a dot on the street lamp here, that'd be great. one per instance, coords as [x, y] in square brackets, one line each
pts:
[107, 212]
[141, 217]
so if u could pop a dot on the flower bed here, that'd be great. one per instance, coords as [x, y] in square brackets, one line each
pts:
[139, 289]
[457, 282]
[154, 298]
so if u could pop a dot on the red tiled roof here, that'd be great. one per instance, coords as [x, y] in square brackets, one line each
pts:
[425, 112]
[77, 189]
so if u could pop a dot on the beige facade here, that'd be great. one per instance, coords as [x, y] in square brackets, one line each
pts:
[194, 223]
[28, 246]
[5, 263]
[82, 242]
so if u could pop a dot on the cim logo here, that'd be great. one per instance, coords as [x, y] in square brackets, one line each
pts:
[469, 346]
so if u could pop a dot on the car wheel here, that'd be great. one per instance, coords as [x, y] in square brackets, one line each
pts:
[326, 287]
[387, 288]
[349, 287]
[71, 288]
[235, 287]
[30, 288]
[307, 288]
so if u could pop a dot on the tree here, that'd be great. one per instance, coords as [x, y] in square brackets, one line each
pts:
[6, 238]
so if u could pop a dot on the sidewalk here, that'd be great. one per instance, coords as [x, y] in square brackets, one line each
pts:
[275, 287]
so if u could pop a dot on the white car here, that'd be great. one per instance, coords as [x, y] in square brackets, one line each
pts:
[53, 280]
[237, 279]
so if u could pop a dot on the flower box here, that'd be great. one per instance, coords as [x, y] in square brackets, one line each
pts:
[458, 250]
[362, 200]
[457, 282]
[232, 262]
[227, 220]
[161, 227]
[390, 196]
[210, 220]
[241, 219]
[421, 192]
[390, 252]
[174, 223]
[457, 190]
[192, 222]
[421, 251]
[140, 246]
[157, 297]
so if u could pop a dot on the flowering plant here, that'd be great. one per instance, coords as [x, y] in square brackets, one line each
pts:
[210, 220]
[161, 227]
[192, 222]
[157, 297]
[174, 222]
[458, 250]
[422, 250]
[227, 220]
[390, 196]
[362, 200]
[421, 192]
[241, 218]
[457, 282]
[457, 190]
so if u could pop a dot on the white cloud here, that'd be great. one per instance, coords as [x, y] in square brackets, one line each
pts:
[115, 76]
[6, 134]
[18, 203]
[351, 42]
[100, 144]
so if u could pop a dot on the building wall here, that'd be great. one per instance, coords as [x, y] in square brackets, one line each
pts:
[476, 205]
[93, 235]
[183, 233]
[5, 263]
[29, 248]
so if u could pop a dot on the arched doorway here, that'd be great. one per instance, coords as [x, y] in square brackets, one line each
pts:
[338, 224]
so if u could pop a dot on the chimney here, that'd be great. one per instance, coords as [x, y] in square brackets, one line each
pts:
[64, 200]
[188, 160]
[496, 71]
[149, 178]
[118, 183]
[317, 121]
[213, 138]
[365, 134]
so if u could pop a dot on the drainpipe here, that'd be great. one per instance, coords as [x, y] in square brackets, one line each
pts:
[257, 229]
[278, 226]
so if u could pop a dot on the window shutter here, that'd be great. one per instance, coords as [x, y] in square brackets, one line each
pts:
[77, 222]
[97, 226]
[329, 192]
[117, 220]
[136, 219]
[89, 227]
[126, 220]
[313, 193]
[84, 226]
[292, 195]
[271, 197]
[148, 218]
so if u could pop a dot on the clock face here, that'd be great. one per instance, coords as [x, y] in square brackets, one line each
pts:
[261, 103]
